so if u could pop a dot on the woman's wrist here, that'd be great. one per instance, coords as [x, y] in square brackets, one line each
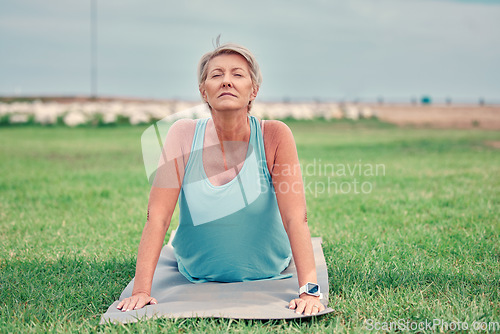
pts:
[137, 292]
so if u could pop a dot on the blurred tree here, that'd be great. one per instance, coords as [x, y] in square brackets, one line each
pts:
[426, 99]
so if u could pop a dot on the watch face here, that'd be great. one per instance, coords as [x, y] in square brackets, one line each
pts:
[312, 289]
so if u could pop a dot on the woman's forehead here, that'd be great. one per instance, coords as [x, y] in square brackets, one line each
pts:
[225, 61]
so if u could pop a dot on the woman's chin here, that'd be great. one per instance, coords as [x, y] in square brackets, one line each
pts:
[228, 107]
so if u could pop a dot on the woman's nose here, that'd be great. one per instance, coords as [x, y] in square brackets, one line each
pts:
[226, 82]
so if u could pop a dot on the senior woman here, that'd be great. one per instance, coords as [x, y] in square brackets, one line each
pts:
[242, 209]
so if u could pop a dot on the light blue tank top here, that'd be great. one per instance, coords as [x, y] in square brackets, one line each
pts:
[232, 232]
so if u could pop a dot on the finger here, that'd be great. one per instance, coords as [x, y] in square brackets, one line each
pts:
[308, 309]
[140, 303]
[124, 304]
[128, 304]
[300, 307]
[133, 304]
[292, 304]
[315, 309]
[318, 309]
[120, 304]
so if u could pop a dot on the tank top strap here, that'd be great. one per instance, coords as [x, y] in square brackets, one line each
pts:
[257, 142]
[199, 134]
[196, 146]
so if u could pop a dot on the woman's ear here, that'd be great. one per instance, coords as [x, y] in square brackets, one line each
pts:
[203, 92]
[255, 90]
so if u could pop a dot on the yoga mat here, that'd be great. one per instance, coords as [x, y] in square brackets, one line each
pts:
[179, 298]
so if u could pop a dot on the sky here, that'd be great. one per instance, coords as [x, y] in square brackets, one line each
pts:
[308, 50]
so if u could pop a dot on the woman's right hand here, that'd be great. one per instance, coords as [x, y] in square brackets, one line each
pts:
[136, 302]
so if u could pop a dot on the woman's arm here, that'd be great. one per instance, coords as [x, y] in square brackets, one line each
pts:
[162, 200]
[284, 166]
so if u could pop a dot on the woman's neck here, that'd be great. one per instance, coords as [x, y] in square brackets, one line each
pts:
[231, 126]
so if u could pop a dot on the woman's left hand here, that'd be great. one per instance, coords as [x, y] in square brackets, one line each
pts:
[306, 304]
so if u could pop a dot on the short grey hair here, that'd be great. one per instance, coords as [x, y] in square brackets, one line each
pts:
[230, 48]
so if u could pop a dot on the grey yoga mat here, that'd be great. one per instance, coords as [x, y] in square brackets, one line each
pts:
[179, 298]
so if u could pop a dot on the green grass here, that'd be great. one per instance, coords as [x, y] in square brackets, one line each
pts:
[422, 244]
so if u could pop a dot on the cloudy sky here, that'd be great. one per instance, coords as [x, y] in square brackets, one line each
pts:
[315, 49]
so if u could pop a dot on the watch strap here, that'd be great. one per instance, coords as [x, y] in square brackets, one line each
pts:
[303, 289]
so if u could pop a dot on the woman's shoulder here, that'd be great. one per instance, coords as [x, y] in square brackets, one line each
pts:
[183, 124]
[277, 138]
[182, 127]
[181, 133]
[276, 131]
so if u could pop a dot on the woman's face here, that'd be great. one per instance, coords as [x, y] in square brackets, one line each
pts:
[228, 85]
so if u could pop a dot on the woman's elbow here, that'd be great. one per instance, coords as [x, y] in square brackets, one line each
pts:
[293, 222]
[158, 221]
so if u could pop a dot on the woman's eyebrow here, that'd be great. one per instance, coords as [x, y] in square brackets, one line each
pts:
[216, 69]
[222, 70]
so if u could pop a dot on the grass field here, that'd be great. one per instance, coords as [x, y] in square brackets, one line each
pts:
[415, 240]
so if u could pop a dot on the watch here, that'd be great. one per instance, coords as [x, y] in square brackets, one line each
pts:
[310, 289]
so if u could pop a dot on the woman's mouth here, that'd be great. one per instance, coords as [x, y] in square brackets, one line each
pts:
[227, 93]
